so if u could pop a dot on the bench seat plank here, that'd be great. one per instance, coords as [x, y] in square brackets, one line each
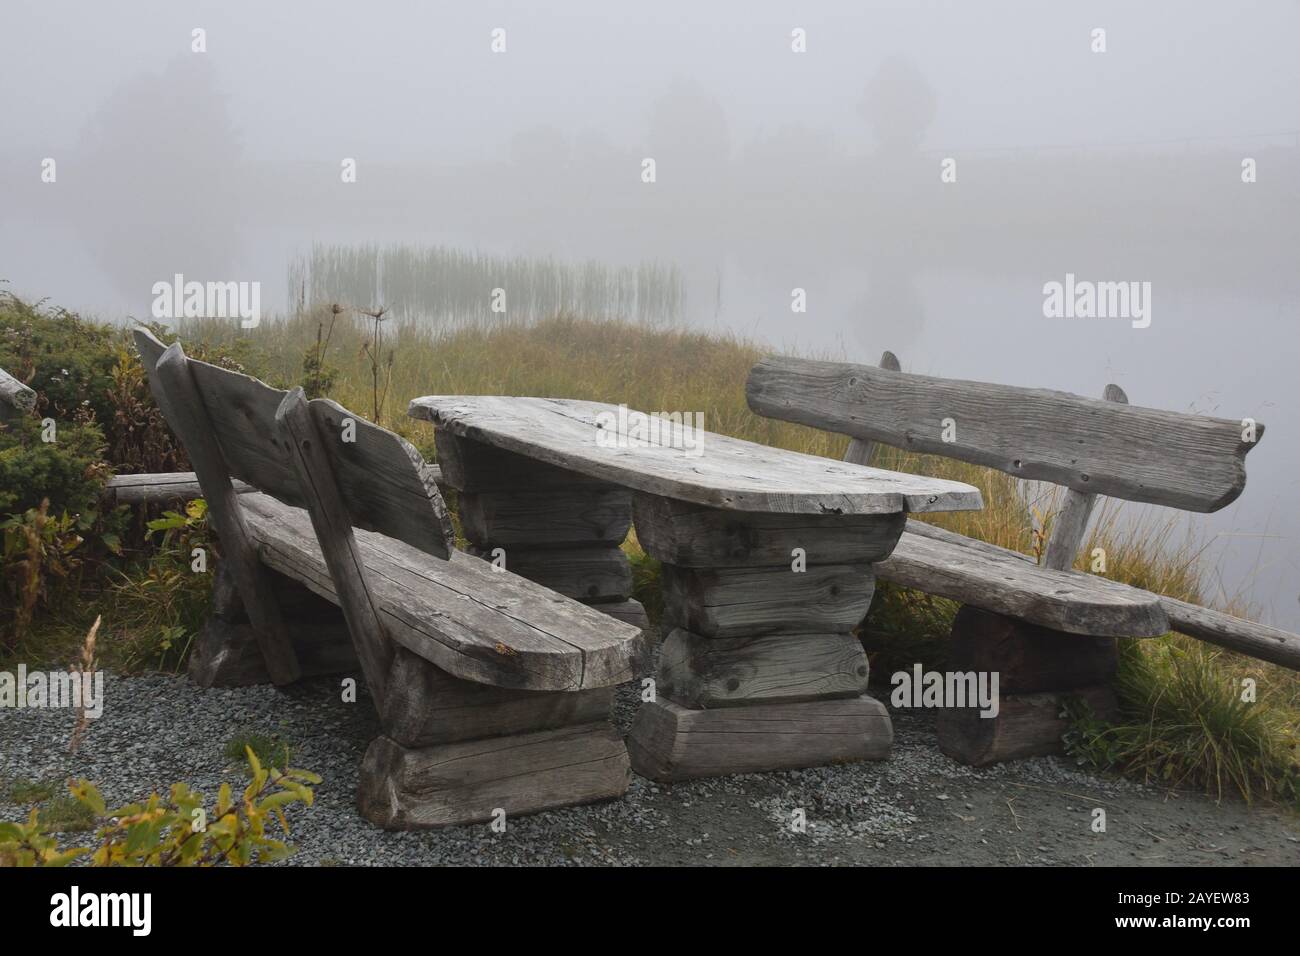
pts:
[1005, 582]
[474, 622]
[731, 474]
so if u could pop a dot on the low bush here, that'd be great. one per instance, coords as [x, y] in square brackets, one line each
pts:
[176, 831]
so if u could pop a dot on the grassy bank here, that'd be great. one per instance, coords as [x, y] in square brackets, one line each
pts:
[1184, 724]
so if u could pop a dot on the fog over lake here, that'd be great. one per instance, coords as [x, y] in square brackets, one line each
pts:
[775, 170]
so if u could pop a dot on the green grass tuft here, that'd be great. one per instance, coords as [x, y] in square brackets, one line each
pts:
[271, 749]
[24, 792]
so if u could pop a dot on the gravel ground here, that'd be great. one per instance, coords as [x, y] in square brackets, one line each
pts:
[918, 807]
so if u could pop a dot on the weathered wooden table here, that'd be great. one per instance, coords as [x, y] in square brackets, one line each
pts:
[766, 557]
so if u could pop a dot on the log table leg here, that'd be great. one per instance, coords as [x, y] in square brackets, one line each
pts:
[1036, 667]
[556, 527]
[762, 671]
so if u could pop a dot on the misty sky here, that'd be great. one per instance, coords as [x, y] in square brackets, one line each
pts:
[817, 170]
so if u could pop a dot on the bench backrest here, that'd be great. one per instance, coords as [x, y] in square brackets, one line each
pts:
[383, 480]
[1093, 446]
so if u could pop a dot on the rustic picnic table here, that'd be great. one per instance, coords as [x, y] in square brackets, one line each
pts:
[767, 566]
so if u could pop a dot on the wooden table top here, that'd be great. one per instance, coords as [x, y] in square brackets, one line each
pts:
[673, 460]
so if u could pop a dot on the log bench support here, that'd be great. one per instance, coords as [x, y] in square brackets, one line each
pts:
[556, 527]
[1037, 668]
[457, 752]
[226, 652]
[761, 670]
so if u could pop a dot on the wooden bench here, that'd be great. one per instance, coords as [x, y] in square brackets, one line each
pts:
[492, 691]
[767, 567]
[1044, 628]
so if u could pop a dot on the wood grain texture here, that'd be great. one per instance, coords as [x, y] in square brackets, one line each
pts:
[1071, 522]
[591, 575]
[1028, 725]
[425, 706]
[308, 452]
[225, 651]
[730, 473]
[467, 782]
[546, 518]
[1234, 633]
[171, 376]
[478, 624]
[669, 742]
[474, 466]
[630, 612]
[745, 602]
[697, 536]
[15, 397]
[386, 484]
[1185, 461]
[159, 488]
[703, 672]
[859, 451]
[1007, 583]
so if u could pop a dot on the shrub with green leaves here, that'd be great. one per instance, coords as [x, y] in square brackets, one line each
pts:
[176, 831]
[67, 360]
[70, 471]
[158, 606]
[40, 561]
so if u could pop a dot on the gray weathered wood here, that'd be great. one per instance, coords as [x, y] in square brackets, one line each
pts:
[225, 651]
[596, 574]
[551, 518]
[425, 705]
[1071, 522]
[192, 424]
[478, 624]
[474, 466]
[308, 450]
[386, 484]
[159, 488]
[15, 397]
[1028, 725]
[1186, 461]
[630, 612]
[701, 672]
[669, 742]
[730, 473]
[468, 782]
[744, 602]
[1234, 633]
[1006, 583]
[696, 536]
[859, 451]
